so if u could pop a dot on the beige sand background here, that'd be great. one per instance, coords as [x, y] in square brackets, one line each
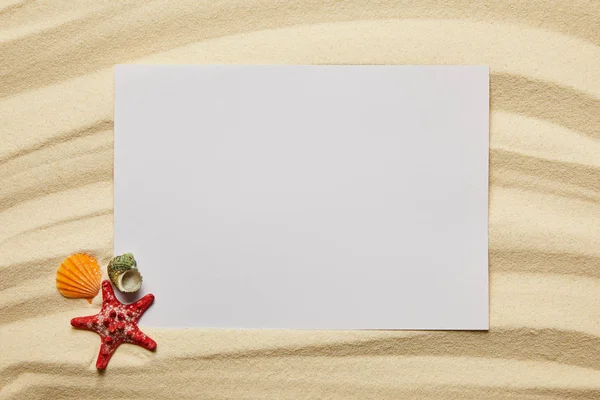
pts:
[56, 155]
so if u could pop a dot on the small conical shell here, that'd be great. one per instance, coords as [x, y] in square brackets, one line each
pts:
[79, 276]
[123, 272]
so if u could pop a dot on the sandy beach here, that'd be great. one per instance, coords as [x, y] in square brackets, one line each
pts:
[56, 198]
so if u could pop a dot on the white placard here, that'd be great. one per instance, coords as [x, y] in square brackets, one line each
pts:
[310, 197]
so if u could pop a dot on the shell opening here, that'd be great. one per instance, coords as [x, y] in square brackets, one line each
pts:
[130, 281]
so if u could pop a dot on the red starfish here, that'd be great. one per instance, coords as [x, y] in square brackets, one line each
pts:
[116, 323]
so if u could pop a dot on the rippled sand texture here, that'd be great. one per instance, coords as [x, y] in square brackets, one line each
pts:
[56, 154]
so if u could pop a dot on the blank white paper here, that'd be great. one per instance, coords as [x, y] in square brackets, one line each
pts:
[305, 197]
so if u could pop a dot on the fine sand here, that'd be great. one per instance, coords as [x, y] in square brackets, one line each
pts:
[56, 154]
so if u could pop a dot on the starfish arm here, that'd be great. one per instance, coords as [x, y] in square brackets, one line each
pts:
[84, 322]
[140, 306]
[137, 337]
[108, 294]
[106, 352]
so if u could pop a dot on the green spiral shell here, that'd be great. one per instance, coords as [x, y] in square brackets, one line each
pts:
[122, 271]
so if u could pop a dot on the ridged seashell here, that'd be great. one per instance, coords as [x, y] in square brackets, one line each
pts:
[79, 276]
[123, 272]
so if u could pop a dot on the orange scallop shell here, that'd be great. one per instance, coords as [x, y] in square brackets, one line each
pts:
[79, 276]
